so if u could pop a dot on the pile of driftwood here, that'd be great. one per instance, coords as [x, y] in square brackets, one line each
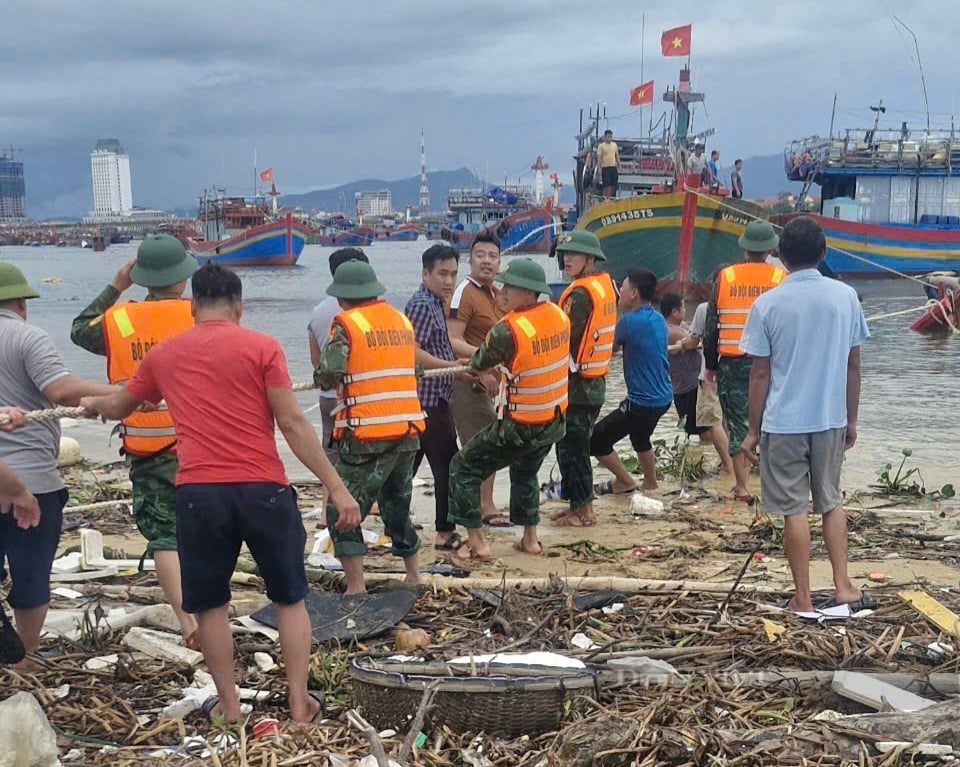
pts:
[747, 684]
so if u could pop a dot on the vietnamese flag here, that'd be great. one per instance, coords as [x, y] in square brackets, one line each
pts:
[266, 175]
[642, 94]
[676, 42]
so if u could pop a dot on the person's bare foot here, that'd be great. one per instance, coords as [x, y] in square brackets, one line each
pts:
[649, 486]
[304, 713]
[192, 642]
[796, 606]
[534, 549]
[355, 592]
[413, 580]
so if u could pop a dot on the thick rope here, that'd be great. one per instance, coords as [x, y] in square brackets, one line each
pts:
[929, 305]
[54, 413]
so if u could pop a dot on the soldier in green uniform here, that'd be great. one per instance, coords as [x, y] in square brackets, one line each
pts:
[590, 357]
[508, 441]
[163, 267]
[374, 468]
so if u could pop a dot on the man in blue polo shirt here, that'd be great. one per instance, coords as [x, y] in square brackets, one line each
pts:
[642, 333]
[804, 337]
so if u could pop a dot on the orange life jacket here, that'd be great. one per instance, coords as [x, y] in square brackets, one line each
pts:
[533, 387]
[739, 287]
[592, 359]
[377, 399]
[130, 329]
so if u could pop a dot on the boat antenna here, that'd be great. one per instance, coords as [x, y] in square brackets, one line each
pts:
[923, 81]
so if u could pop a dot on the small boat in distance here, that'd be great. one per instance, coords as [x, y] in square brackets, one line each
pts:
[241, 232]
[510, 212]
[890, 197]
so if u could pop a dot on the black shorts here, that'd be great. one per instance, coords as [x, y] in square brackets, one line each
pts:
[29, 553]
[686, 405]
[635, 420]
[214, 520]
[609, 176]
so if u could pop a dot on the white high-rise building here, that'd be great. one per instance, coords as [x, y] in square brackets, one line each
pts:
[379, 203]
[110, 168]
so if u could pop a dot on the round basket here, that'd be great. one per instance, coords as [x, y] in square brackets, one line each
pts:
[508, 701]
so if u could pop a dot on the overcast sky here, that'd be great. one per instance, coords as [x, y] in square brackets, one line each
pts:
[328, 91]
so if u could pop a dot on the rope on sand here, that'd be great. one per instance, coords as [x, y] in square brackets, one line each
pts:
[51, 414]
[99, 505]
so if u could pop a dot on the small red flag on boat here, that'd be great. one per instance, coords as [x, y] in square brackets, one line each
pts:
[676, 41]
[642, 94]
[266, 175]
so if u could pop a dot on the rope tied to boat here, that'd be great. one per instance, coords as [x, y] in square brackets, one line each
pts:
[54, 413]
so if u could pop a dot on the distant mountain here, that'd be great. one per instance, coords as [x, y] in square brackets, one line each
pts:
[403, 192]
[763, 176]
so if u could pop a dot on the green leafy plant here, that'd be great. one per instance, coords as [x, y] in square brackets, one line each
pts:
[328, 672]
[907, 482]
[677, 460]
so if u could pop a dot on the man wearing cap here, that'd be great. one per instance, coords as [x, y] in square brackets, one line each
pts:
[370, 359]
[728, 368]
[530, 347]
[590, 301]
[32, 377]
[123, 333]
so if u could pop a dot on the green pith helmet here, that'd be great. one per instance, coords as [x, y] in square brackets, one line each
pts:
[161, 261]
[524, 273]
[355, 279]
[581, 241]
[14, 285]
[759, 237]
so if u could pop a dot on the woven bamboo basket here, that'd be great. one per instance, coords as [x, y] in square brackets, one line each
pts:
[501, 700]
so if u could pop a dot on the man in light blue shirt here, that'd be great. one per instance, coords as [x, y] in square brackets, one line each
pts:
[805, 338]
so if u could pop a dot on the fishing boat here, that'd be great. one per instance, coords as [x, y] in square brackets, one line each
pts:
[889, 197]
[510, 212]
[661, 218]
[402, 233]
[240, 232]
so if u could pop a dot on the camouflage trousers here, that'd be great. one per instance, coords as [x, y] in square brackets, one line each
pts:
[733, 385]
[573, 455]
[386, 478]
[522, 447]
[155, 500]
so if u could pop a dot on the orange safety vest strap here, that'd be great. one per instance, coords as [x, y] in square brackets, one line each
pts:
[734, 303]
[143, 431]
[592, 359]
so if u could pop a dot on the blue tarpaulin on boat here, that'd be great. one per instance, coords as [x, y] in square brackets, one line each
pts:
[502, 196]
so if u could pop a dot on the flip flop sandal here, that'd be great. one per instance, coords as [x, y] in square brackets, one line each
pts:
[567, 520]
[606, 488]
[320, 697]
[452, 543]
[497, 520]
[866, 602]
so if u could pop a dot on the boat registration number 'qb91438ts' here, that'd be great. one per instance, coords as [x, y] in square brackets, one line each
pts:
[626, 215]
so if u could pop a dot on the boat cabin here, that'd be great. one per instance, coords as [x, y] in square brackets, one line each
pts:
[880, 176]
[475, 208]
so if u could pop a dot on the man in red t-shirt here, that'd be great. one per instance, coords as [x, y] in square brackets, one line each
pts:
[226, 387]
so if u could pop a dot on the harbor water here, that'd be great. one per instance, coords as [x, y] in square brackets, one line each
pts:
[909, 380]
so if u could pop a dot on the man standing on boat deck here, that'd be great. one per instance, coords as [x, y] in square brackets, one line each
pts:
[642, 333]
[736, 182]
[123, 332]
[228, 390]
[530, 347]
[32, 377]
[590, 301]
[370, 358]
[608, 163]
[475, 306]
[438, 442]
[318, 330]
[728, 368]
[804, 400]
[697, 163]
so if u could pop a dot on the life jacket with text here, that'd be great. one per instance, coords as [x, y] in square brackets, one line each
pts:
[740, 285]
[592, 359]
[533, 386]
[130, 330]
[377, 398]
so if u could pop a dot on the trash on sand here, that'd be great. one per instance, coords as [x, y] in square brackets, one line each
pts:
[644, 665]
[944, 619]
[551, 659]
[612, 609]
[772, 630]
[26, 737]
[875, 693]
[264, 662]
[408, 639]
[158, 644]
[582, 641]
[92, 554]
[101, 662]
[641, 504]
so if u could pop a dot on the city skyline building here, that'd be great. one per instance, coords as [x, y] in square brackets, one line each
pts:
[378, 203]
[110, 172]
[13, 189]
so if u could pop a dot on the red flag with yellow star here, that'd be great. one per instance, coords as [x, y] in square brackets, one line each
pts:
[642, 94]
[676, 42]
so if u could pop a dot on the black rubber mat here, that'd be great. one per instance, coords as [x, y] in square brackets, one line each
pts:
[336, 616]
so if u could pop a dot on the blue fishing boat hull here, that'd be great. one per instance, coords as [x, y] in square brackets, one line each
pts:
[278, 243]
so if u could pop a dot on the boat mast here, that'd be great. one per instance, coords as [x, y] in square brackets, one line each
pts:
[923, 80]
